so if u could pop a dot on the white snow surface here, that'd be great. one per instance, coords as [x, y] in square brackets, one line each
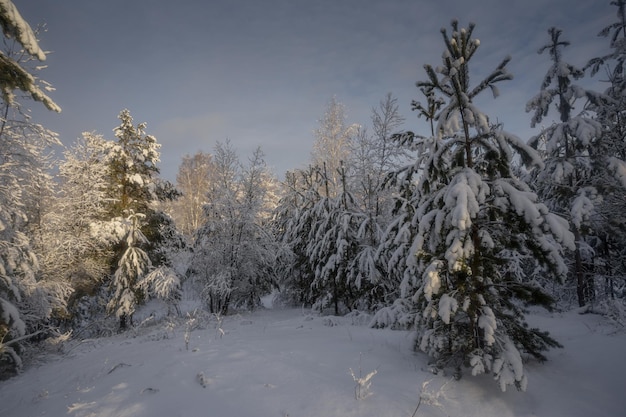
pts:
[286, 362]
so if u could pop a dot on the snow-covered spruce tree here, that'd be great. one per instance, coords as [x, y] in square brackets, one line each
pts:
[292, 223]
[133, 265]
[372, 157]
[133, 188]
[134, 182]
[332, 215]
[333, 242]
[300, 208]
[576, 163]
[609, 223]
[395, 253]
[323, 268]
[15, 76]
[479, 229]
[18, 162]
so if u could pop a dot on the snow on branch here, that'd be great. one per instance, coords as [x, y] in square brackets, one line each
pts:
[618, 168]
[16, 77]
[12, 75]
[162, 282]
[14, 26]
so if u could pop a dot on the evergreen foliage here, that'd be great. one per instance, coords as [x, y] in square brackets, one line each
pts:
[138, 235]
[13, 74]
[131, 268]
[292, 224]
[451, 234]
[26, 302]
[333, 242]
[579, 166]
[477, 229]
[332, 221]
[610, 171]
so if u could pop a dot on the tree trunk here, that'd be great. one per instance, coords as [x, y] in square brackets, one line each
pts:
[584, 287]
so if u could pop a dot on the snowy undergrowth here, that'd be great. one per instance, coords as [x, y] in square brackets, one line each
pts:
[279, 363]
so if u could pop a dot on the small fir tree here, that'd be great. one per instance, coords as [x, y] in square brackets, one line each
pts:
[292, 223]
[332, 244]
[131, 268]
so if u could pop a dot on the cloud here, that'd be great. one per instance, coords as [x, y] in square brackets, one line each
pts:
[261, 72]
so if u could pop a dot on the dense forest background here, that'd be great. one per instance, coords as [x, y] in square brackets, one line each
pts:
[452, 234]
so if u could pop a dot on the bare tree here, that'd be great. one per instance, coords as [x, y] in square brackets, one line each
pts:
[194, 182]
[234, 253]
[332, 142]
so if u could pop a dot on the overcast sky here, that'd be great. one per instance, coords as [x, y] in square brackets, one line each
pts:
[261, 72]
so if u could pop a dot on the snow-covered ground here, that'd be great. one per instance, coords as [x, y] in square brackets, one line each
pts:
[277, 363]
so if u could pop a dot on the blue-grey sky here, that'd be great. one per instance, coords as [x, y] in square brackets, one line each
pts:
[261, 72]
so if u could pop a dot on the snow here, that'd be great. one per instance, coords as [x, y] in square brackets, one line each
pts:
[288, 363]
[10, 315]
[509, 369]
[583, 205]
[15, 26]
[136, 178]
[618, 167]
[432, 280]
[487, 322]
[447, 307]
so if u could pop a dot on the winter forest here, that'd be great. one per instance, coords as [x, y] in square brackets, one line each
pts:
[453, 234]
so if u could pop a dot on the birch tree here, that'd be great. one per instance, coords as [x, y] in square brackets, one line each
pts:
[194, 178]
[234, 251]
[332, 142]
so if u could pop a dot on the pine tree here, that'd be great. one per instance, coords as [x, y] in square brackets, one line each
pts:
[131, 269]
[14, 74]
[608, 223]
[292, 224]
[332, 221]
[372, 157]
[479, 228]
[132, 190]
[132, 168]
[21, 145]
[574, 158]
[333, 243]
